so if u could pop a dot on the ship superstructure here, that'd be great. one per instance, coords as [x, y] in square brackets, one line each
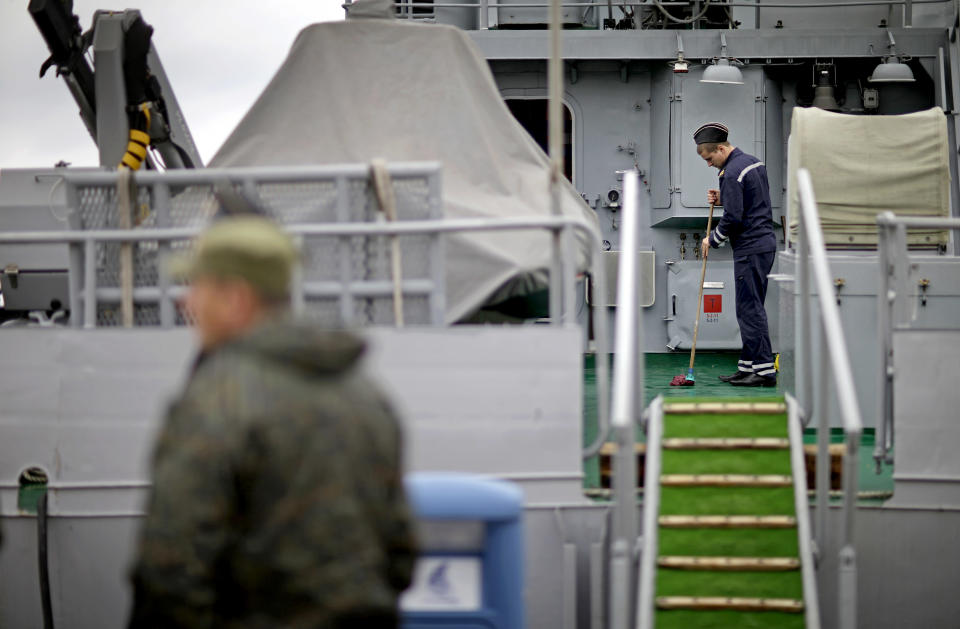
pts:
[838, 99]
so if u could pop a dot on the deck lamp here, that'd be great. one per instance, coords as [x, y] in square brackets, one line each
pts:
[723, 69]
[892, 69]
[824, 78]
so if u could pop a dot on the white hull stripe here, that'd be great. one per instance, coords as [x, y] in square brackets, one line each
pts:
[743, 173]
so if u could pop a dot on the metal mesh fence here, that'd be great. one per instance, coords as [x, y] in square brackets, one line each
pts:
[354, 262]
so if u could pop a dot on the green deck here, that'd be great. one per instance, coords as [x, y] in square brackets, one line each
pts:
[661, 368]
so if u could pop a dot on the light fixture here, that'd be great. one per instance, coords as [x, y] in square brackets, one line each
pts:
[680, 65]
[723, 70]
[892, 69]
[824, 78]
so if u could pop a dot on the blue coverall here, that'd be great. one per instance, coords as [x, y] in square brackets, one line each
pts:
[747, 224]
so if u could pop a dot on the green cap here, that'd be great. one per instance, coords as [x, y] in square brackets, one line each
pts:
[250, 248]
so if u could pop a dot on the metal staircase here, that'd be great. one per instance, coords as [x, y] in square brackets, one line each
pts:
[722, 534]
[726, 528]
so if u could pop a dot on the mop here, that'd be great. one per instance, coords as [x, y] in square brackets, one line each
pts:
[688, 380]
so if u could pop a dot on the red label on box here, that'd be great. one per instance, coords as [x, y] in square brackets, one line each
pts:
[713, 303]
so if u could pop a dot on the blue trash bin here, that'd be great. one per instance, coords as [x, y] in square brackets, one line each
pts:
[470, 571]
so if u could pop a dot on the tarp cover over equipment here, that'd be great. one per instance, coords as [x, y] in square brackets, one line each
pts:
[864, 165]
[362, 89]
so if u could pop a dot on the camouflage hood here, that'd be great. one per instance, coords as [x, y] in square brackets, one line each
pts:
[303, 346]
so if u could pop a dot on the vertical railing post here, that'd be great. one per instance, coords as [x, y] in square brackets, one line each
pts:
[885, 298]
[438, 295]
[161, 205]
[847, 586]
[89, 283]
[555, 144]
[75, 285]
[297, 295]
[484, 21]
[806, 342]
[343, 252]
[570, 256]
[823, 441]
[623, 420]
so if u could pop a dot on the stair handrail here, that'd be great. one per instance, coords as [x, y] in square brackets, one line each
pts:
[627, 397]
[651, 512]
[833, 345]
[801, 505]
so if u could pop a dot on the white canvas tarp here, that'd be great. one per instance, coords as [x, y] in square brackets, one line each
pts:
[863, 165]
[361, 89]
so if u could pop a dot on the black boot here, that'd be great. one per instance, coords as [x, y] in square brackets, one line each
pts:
[754, 380]
[735, 376]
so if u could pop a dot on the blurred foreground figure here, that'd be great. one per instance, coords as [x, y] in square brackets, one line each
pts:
[278, 497]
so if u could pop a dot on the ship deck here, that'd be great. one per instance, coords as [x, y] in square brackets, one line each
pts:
[660, 368]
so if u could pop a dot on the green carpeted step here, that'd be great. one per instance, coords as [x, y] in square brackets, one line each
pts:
[725, 408]
[726, 501]
[724, 426]
[729, 542]
[726, 480]
[727, 521]
[728, 564]
[721, 443]
[726, 619]
[725, 462]
[720, 603]
[717, 583]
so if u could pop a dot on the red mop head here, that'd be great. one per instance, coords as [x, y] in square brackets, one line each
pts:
[681, 381]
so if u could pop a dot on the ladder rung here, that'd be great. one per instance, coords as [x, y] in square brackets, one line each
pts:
[728, 443]
[720, 602]
[765, 564]
[724, 408]
[725, 480]
[728, 521]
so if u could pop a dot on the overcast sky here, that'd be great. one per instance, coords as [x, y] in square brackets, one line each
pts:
[218, 55]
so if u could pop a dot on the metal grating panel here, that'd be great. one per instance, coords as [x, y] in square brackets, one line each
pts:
[329, 197]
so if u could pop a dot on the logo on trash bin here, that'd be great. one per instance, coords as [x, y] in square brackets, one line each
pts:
[444, 583]
[439, 583]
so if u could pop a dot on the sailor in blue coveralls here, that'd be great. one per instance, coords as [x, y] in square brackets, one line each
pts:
[747, 225]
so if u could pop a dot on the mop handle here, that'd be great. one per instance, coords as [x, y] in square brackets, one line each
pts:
[703, 274]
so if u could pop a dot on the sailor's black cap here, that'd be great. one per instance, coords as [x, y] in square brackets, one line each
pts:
[711, 132]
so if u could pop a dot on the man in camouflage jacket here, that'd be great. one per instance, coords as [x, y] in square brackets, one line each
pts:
[278, 497]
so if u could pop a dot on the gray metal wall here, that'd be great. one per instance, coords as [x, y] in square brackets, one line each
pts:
[858, 313]
[641, 115]
[85, 405]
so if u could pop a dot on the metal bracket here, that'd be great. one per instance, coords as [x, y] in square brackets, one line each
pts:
[12, 271]
[839, 283]
[924, 284]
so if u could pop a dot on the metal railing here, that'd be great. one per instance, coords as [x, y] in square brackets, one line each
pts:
[335, 277]
[832, 345]
[627, 399]
[892, 310]
[85, 294]
[420, 9]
